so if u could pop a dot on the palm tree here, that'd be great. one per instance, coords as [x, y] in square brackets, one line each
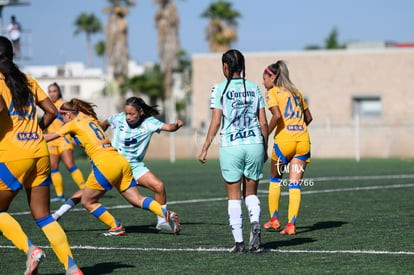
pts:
[117, 37]
[89, 24]
[117, 41]
[221, 30]
[167, 22]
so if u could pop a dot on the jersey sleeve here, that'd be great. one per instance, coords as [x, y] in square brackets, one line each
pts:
[271, 98]
[215, 98]
[154, 125]
[262, 103]
[114, 120]
[304, 104]
[38, 92]
[67, 128]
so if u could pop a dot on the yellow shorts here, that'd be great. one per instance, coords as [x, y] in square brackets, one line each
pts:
[57, 146]
[112, 170]
[284, 151]
[25, 173]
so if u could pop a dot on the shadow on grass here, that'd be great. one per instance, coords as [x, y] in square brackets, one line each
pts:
[290, 242]
[319, 226]
[141, 229]
[105, 268]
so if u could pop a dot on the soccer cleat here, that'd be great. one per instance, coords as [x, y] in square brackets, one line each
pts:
[34, 257]
[238, 248]
[254, 242]
[117, 231]
[58, 199]
[163, 226]
[290, 229]
[74, 270]
[272, 225]
[172, 220]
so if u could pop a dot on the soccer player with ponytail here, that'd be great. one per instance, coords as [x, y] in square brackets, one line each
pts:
[238, 106]
[109, 168]
[24, 162]
[291, 150]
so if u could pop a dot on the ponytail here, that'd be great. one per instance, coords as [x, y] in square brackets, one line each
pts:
[77, 105]
[16, 80]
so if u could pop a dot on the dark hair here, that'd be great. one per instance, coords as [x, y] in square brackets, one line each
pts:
[235, 62]
[58, 88]
[138, 104]
[77, 105]
[15, 79]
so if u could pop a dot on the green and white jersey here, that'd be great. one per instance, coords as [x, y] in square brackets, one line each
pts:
[239, 123]
[133, 143]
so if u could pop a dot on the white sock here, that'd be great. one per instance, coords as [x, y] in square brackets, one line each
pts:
[253, 206]
[66, 207]
[161, 219]
[236, 219]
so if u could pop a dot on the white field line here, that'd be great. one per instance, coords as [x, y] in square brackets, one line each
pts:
[377, 187]
[218, 249]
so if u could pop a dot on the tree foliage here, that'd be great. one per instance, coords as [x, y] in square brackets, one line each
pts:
[89, 24]
[331, 42]
[221, 30]
[149, 83]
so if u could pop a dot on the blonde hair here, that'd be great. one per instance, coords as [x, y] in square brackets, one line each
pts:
[281, 73]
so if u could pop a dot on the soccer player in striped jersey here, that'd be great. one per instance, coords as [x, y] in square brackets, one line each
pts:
[132, 132]
[109, 168]
[239, 107]
[24, 162]
[61, 148]
[291, 150]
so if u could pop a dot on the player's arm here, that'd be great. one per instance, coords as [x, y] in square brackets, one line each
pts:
[2, 104]
[104, 124]
[172, 127]
[276, 117]
[263, 128]
[51, 136]
[50, 113]
[63, 131]
[212, 131]
[308, 117]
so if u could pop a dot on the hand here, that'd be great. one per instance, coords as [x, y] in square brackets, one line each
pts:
[179, 123]
[202, 157]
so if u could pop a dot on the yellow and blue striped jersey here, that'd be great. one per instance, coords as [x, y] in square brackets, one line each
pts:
[292, 126]
[21, 136]
[88, 134]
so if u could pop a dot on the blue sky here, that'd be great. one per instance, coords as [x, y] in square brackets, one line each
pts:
[266, 25]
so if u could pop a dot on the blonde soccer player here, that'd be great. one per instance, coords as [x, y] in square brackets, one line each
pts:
[24, 162]
[109, 168]
[291, 150]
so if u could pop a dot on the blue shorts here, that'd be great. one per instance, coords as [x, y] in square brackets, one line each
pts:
[239, 160]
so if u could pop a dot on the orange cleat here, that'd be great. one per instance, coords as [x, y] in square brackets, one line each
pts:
[272, 225]
[34, 257]
[290, 229]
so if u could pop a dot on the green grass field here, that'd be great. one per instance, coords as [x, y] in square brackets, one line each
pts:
[357, 218]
